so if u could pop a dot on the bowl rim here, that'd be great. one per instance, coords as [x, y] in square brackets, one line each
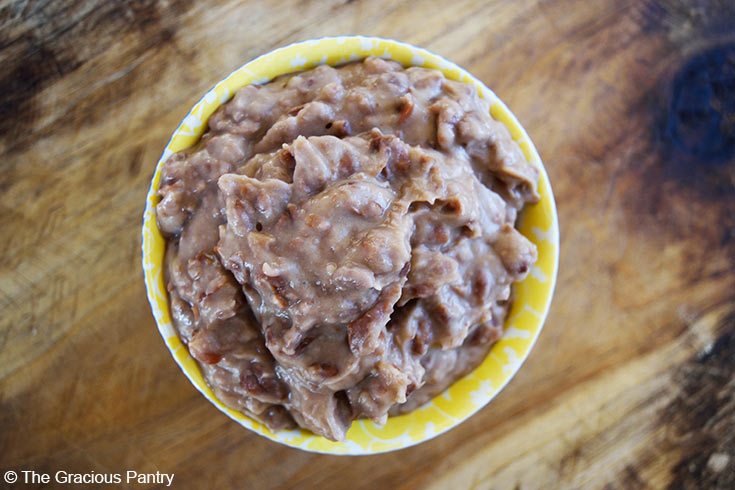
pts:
[420, 56]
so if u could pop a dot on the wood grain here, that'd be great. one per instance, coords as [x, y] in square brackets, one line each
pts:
[632, 107]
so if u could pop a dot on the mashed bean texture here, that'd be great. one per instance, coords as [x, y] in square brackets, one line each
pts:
[341, 242]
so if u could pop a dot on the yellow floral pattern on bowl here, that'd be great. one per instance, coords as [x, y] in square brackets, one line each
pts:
[532, 296]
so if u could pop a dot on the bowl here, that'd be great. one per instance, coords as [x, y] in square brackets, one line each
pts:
[533, 295]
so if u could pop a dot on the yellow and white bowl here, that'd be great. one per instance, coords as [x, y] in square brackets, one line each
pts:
[532, 296]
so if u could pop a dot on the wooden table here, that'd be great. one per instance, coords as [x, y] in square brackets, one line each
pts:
[632, 107]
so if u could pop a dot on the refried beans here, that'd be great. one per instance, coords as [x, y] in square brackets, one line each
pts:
[341, 242]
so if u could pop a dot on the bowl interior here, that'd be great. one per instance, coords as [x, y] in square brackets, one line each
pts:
[532, 296]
